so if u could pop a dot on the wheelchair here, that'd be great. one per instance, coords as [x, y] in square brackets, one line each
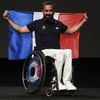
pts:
[38, 70]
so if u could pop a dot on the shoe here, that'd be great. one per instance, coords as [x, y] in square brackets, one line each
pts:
[70, 86]
[61, 86]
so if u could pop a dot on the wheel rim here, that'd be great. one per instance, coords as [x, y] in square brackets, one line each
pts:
[32, 74]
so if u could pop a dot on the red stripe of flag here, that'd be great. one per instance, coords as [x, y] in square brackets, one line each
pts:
[70, 41]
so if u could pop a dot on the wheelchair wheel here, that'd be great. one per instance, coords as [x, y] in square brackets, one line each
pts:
[48, 93]
[33, 72]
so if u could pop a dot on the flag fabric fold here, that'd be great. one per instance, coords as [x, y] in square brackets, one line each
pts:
[68, 41]
[21, 45]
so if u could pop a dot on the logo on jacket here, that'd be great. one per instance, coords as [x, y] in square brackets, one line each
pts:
[43, 27]
[57, 28]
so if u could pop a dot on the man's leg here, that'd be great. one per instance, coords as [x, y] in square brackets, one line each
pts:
[58, 55]
[67, 72]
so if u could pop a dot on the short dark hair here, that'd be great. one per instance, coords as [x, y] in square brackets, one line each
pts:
[48, 3]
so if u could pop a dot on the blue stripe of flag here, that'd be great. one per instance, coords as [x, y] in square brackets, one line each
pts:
[19, 45]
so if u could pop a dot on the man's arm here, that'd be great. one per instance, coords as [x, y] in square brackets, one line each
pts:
[76, 27]
[21, 29]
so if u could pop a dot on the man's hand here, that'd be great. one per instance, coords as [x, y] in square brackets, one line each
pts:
[6, 15]
[85, 17]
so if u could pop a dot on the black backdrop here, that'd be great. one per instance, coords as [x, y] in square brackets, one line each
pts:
[86, 71]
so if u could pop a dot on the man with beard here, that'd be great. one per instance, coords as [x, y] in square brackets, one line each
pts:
[47, 34]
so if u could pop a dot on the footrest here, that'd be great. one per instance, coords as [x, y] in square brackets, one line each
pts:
[53, 81]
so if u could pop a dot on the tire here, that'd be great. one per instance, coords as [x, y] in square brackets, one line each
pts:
[34, 72]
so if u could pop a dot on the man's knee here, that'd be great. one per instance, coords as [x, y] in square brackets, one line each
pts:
[68, 52]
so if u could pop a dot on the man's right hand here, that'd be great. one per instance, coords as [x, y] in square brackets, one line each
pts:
[6, 15]
[21, 29]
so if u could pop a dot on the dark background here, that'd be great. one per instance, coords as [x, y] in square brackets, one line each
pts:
[86, 68]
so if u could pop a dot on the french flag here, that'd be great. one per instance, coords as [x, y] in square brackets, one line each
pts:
[21, 45]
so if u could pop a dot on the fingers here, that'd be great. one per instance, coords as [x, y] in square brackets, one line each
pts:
[6, 14]
[85, 16]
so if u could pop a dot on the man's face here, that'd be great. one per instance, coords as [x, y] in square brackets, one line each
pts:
[48, 12]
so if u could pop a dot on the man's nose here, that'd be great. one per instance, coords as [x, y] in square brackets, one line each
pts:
[48, 12]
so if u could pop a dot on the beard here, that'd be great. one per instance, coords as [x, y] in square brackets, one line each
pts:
[48, 17]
